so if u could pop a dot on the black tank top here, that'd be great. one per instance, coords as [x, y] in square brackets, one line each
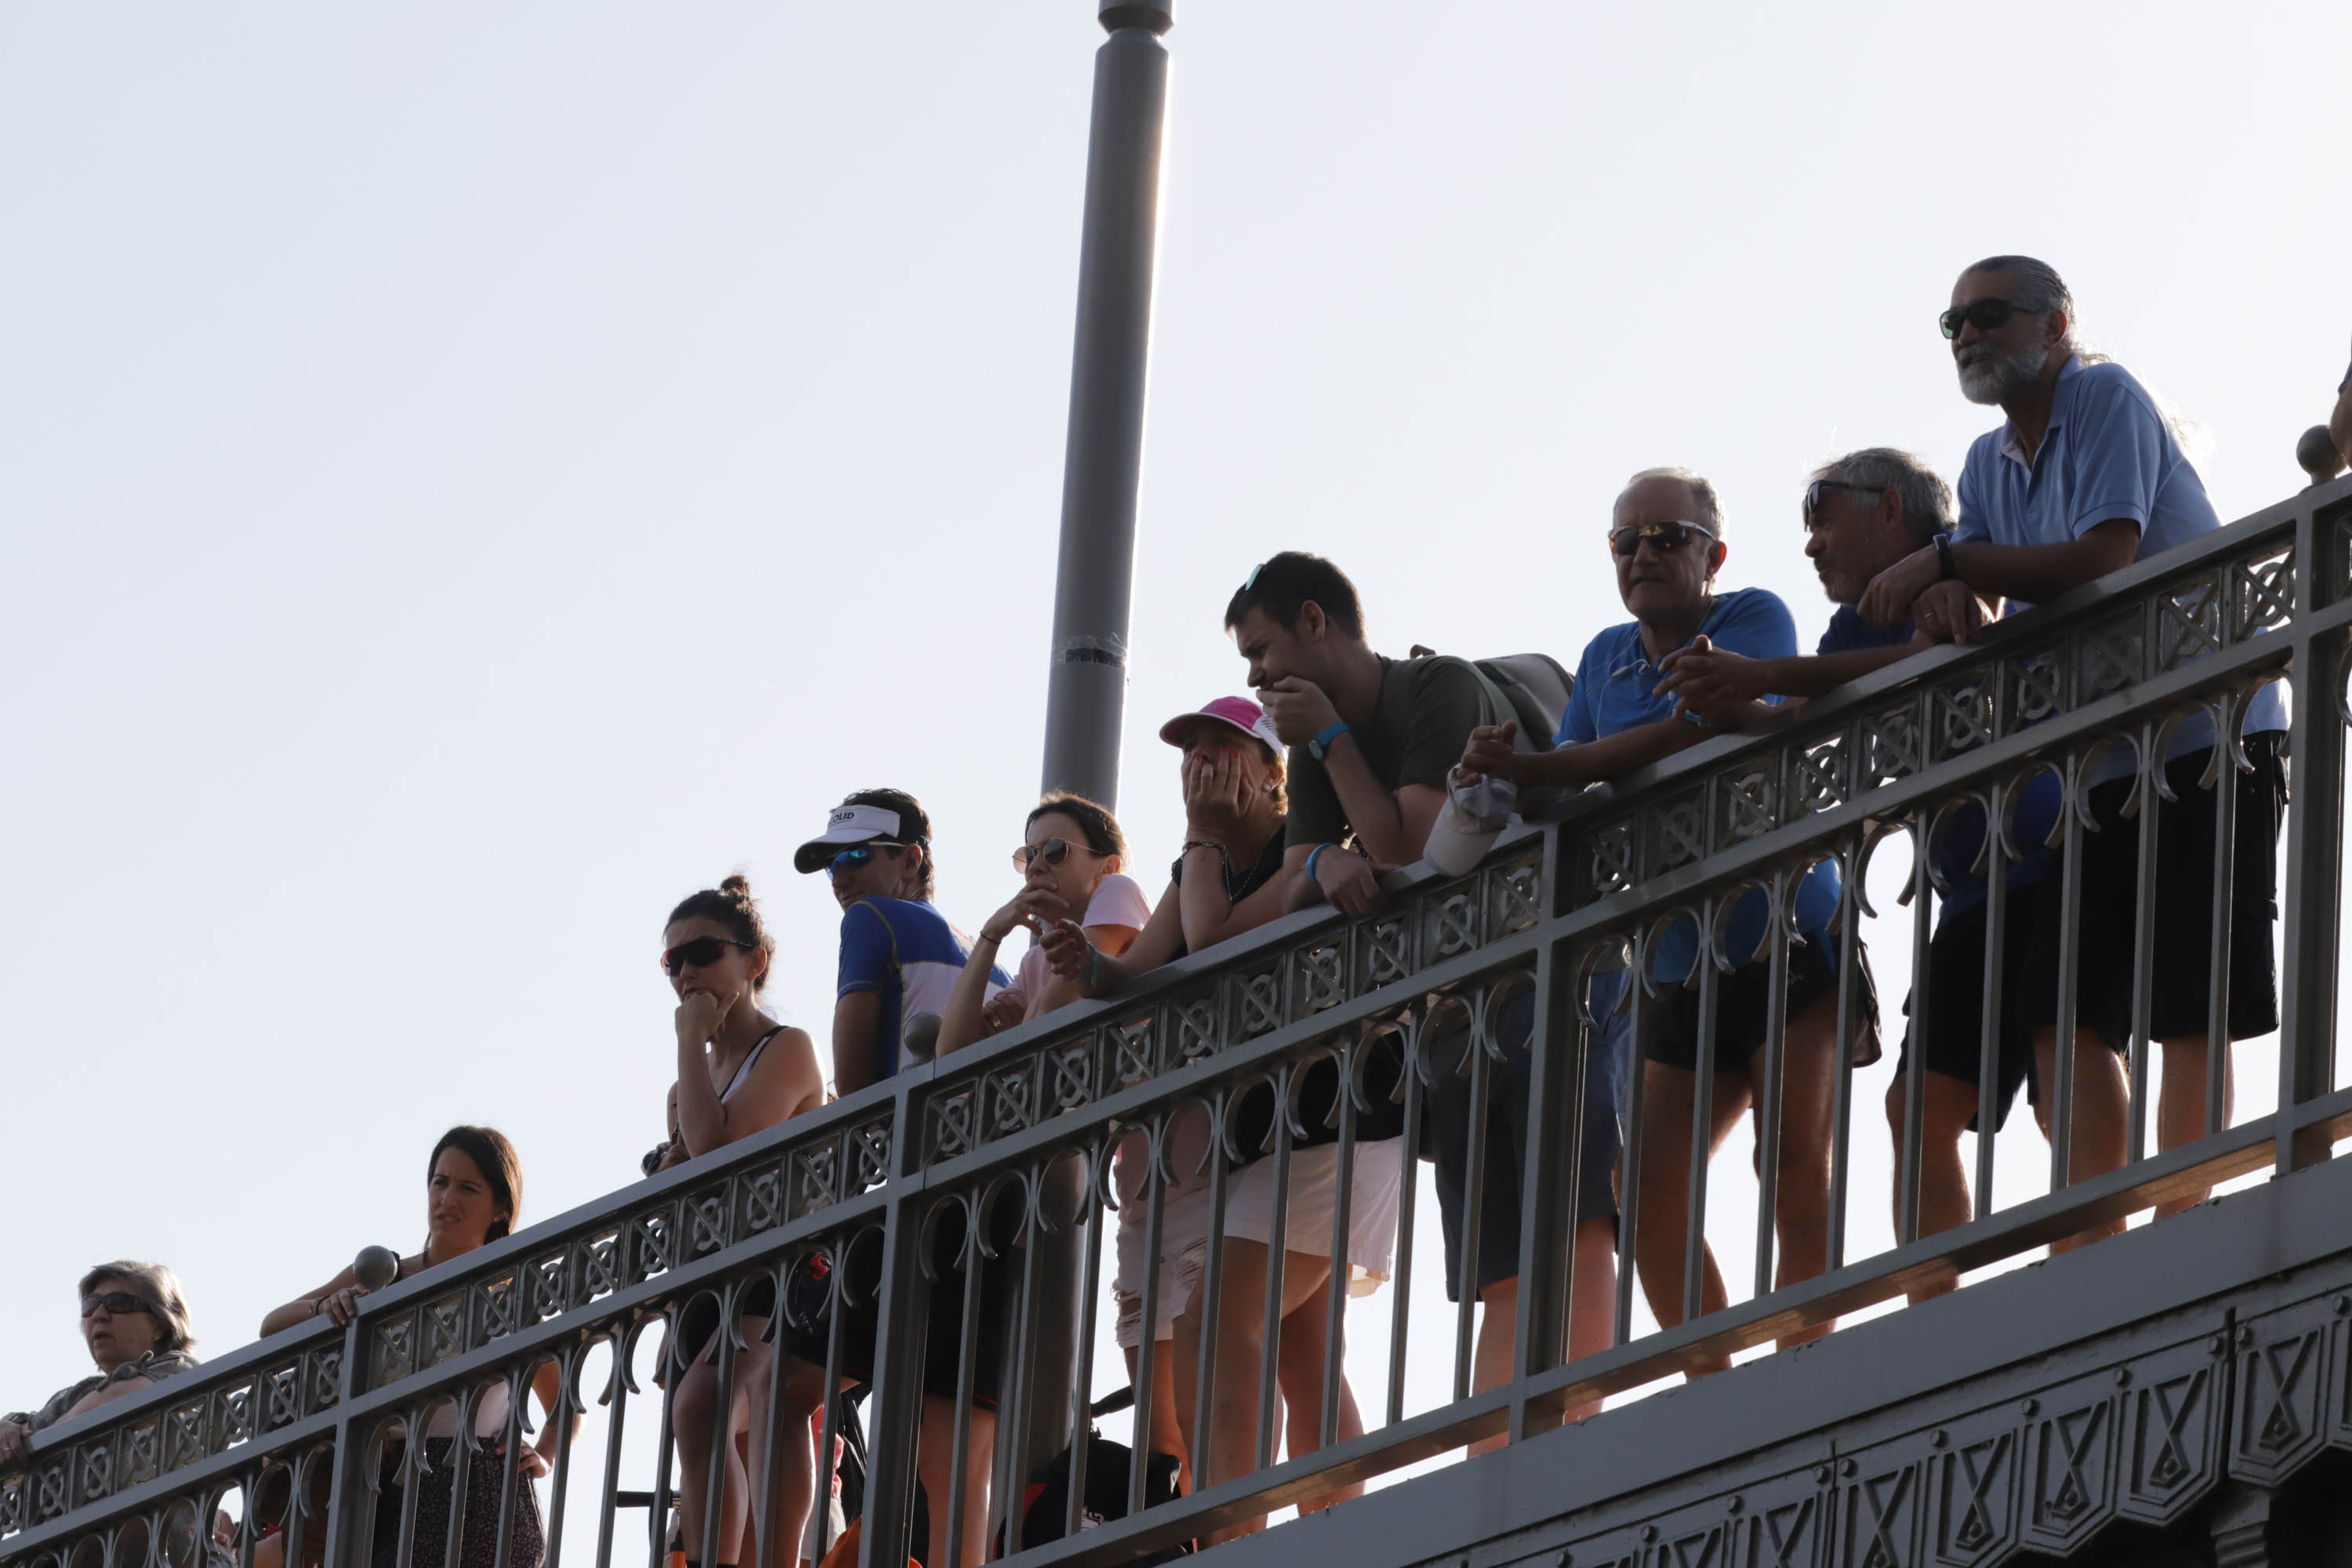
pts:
[1241, 885]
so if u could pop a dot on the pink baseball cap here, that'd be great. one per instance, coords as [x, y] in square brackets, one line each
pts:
[1238, 711]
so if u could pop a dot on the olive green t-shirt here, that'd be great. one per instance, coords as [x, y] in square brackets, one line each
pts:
[1426, 709]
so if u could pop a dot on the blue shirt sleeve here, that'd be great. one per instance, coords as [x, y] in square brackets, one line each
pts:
[866, 948]
[1971, 524]
[1757, 623]
[1576, 725]
[2117, 448]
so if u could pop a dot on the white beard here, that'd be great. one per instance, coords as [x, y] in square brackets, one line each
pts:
[1999, 377]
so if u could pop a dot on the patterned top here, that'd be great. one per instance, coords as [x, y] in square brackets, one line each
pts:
[154, 1366]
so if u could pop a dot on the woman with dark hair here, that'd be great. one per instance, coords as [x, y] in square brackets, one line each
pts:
[739, 1072]
[1069, 862]
[135, 1322]
[473, 1187]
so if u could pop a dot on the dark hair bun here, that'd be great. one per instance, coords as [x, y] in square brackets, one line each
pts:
[737, 884]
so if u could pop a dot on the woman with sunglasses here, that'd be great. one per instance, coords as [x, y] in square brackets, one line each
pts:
[1666, 539]
[473, 1193]
[135, 1322]
[740, 1072]
[1226, 882]
[1069, 861]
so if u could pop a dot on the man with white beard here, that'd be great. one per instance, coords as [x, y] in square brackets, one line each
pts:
[2085, 477]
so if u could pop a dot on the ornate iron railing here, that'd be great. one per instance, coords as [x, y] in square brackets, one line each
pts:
[983, 1186]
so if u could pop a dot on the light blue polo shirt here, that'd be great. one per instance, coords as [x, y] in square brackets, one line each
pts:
[1616, 689]
[2108, 456]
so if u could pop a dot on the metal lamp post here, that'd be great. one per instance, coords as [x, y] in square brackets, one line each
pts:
[1087, 692]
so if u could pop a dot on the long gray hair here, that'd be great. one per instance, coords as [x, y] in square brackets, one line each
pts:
[158, 1284]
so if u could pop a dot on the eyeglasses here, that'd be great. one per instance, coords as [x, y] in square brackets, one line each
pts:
[1663, 535]
[851, 859]
[118, 1302]
[702, 952]
[1813, 494]
[1054, 851]
[1984, 315]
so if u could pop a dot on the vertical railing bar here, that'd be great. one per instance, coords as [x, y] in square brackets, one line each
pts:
[510, 1465]
[2148, 872]
[1551, 1178]
[722, 1424]
[967, 1366]
[2315, 869]
[1090, 1239]
[1849, 1005]
[1629, 1182]
[1278, 1237]
[348, 1492]
[1911, 1161]
[2225, 860]
[1991, 1029]
[1401, 1303]
[1335, 1319]
[567, 1362]
[1710, 1001]
[822, 1467]
[1147, 1344]
[666, 1443]
[1213, 1284]
[2075, 792]
[1474, 1199]
[1012, 1401]
[461, 1475]
[1767, 1114]
[618, 1395]
[763, 1515]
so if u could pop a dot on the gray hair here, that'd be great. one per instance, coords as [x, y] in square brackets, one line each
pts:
[158, 1284]
[1701, 492]
[1926, 499]
[2040, 289]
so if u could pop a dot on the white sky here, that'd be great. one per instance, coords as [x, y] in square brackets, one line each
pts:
[469, 477]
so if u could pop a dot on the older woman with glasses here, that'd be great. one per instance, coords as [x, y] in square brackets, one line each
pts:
[1666, 539]
[135, 1322]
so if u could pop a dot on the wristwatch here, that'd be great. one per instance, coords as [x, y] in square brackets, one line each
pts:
[1944, 556]
[1320, 746]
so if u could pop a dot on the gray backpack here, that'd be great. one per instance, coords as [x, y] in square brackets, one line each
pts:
[1536, 686]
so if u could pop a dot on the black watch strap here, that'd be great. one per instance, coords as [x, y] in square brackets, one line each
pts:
[1944, 556]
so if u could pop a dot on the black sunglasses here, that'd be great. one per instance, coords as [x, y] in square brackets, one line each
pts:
[118, 1302]
[1663, 535]
[850, 859]
[1813, 494]
[1984, 315]
[1054, 851]
[702, 952]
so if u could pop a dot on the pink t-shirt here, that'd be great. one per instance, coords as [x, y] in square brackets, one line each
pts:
[1117, 901]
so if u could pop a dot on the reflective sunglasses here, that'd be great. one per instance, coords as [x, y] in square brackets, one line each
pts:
[1663, 535]
[850, 859]
[118, 1303]
[1984, 315]
[1813, 494]
[702, 952]
[1054, 851]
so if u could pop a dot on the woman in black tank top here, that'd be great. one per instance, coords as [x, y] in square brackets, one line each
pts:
[740, 1072]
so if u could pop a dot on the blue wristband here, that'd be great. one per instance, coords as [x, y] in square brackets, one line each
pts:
[1320, 745]
[1311, 854]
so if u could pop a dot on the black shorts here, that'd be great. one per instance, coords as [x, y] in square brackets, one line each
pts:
[805, 1330]
[2181, 959]
[1955, 1023]
[1669, 1025]
[1445, 1141]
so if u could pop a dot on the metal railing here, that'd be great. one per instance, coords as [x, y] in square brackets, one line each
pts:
[928, 1194]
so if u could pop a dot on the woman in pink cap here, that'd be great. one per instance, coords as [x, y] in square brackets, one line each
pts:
[1226, 881]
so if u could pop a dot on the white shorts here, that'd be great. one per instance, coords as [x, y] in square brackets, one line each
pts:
[1375, 1189]
[1183, 1249]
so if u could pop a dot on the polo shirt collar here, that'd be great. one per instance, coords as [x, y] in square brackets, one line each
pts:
[2060, 396]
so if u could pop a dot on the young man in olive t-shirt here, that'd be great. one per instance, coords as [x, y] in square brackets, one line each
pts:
[1371, 740]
